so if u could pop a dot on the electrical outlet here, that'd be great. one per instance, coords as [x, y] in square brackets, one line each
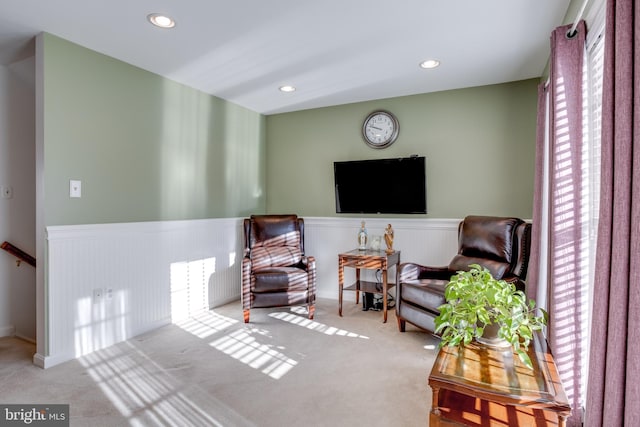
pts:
[98, 295]
[108, 294]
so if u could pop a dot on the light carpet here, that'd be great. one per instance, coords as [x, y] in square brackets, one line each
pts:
[281, 369]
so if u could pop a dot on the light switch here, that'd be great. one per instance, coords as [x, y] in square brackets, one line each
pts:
[75, 188]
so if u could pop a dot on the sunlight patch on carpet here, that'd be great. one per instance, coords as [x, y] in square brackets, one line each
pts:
[242, 346]
[315, 326]
[206, 323]
[141, 391]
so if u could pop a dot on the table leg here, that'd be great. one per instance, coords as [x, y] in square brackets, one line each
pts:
[562, 420]
[340, 284]
[434, 415]
[384, 295]
[435, 403]
[357, 285]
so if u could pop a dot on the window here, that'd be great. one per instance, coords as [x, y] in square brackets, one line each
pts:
[567, 263]
[592, 120]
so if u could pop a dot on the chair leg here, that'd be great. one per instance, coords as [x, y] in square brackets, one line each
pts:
[401, 324]
[312, 310]
[246, 316]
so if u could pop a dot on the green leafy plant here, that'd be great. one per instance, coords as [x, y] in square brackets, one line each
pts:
[475, 300]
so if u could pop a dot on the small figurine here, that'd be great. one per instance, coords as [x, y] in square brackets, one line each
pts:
[362, 237]
[388, 239]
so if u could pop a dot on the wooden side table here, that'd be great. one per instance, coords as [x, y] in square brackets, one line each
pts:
[370, 260]
[484, 386]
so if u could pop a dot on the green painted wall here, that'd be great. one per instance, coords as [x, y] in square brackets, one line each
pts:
[145, 148]
[479, 144]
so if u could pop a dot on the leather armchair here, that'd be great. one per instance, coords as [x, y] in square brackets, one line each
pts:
[499, 244]
[275, 270]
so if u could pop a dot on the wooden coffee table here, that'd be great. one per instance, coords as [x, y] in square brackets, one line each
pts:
[484, 386]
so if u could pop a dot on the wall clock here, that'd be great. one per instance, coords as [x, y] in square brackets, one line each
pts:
[380, 129]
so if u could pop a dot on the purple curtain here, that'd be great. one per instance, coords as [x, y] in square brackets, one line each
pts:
[565, 292]
[565, 234]
[613, 398]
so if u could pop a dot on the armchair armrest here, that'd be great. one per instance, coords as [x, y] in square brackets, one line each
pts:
[246, 282]
[308, 262]
[511, 278]
[412, 271]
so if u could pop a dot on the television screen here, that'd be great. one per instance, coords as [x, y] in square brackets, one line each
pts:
[391, 186]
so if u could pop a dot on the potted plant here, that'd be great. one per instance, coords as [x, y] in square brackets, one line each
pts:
[477, 303]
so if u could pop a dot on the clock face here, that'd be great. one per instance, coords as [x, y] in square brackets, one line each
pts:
[380, 129]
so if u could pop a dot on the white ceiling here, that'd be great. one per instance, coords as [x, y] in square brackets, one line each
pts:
[334, 51]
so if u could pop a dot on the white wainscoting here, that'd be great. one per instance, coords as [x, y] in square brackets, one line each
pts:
[152, 273]
[426, 241]
[157, 272]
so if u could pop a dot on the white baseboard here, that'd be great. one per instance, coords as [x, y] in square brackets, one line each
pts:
[23, 338]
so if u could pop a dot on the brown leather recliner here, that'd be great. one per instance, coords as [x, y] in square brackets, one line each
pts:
[499, 244]
[275, 270]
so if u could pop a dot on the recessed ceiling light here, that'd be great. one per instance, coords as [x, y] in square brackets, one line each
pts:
[287, 88]
[429, 63]
[160, 20]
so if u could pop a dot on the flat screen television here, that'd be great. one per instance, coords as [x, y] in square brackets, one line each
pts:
[385, 186]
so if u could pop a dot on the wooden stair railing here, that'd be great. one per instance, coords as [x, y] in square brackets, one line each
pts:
[18, 253]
